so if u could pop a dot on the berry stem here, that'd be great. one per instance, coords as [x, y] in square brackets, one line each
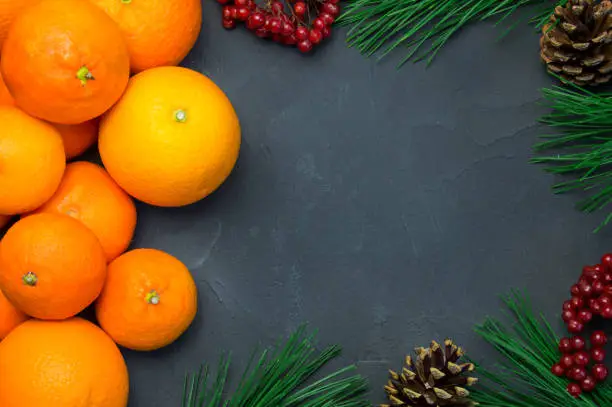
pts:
[84, 75]
[180, 116]
[30, 279]
[152, 297]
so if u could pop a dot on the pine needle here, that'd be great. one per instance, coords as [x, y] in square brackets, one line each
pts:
[528, 347]
[424, 26]
[278, 379]
[582, 121]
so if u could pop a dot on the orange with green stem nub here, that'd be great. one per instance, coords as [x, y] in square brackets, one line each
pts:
[149, 300]
[83, 70]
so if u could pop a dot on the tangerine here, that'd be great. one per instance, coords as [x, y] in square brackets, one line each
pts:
[51, 266]
[89, 194]
[148, 301]
[167, 41]
[32, 161]
[65, 61]
[172, 139]
[70, 363]
[78, 138]
[9, 9]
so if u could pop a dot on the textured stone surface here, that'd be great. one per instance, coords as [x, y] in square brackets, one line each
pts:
[386, 207]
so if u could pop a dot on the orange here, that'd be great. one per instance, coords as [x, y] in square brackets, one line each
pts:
[65, 61]
[70, 363]
[78, 138]
[9, 9]
[5, 95]
[10, 317]
[89, 194]
[51, 266]
[172, 139]
[32, 161]
[157, 32]
[148, 301]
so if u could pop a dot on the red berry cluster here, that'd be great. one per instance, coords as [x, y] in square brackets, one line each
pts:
[574, 360]
[591, 296]
[273, 22]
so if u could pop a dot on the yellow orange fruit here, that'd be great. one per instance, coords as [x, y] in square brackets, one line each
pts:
[172, 139]
[10, 317]
[89, 194]
[65, 61]
[9, 9]
[51, 266]
[157, 33]
[32, 161]
[70, 363]
[148, 301]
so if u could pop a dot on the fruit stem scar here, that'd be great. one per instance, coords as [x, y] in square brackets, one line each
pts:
[84, 75]
[152, 297]
[30, 279]
[180, 116]
[126, 1]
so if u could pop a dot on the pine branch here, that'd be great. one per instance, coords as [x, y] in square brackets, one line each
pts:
[425, 26]
[583, 124]
[528, 348]
[278, 379]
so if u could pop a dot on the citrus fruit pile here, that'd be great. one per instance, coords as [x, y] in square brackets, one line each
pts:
[73, 73]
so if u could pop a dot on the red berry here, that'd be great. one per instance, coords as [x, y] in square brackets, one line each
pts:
[598, 354]
[574, 326]
[574, 389]
[262, 33]
[588, 384]
[302, 33]
[318, 23]
[326, 32]
[582, 358]
[606, 261]
[606, 312]
[577, 302]
[577, 373]
[316, 37]
[567, 361]
[277, 37]
[251, 5]
[275, 25]
[605, 300]
[600, 372]
[299, 8]
[599, 338]
[565, 345]
[327, 18]
[242, 13]
[241, 3]
[585, 316]
[288, 28]
[595, 306]
[229, 24]
[598, 287]
[331, 9]
[557, 370]
[568, 315]
[575, 289]
[578, 343]
[607, 278]
[256, 20]
[599, 268]
[228, 13]
[277, 7]
[566, 304]
[305, 46]
[585, 289]
[290, 39]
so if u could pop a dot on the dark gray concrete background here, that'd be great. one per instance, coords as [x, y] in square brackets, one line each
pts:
[386, 207]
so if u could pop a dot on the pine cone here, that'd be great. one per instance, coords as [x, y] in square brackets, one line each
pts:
[576, 43]
[434, 379]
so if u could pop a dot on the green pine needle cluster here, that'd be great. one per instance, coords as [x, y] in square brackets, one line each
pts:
[280, 377]
[425, 26]
[582, 138]
[528, 347]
